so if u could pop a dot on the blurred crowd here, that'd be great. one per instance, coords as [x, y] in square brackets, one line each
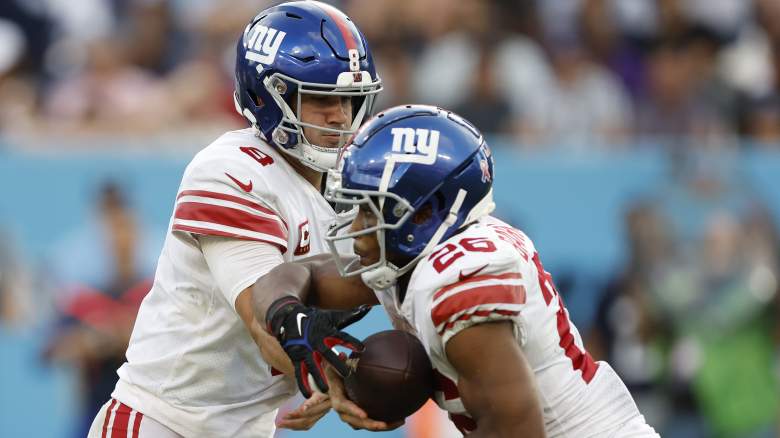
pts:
[577, 74]
[83, 297]
[691, 321]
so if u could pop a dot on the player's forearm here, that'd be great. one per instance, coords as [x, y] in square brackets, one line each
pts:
[287, 279]
[314, 281]
[253, 303]
[269, 347]
[329, 290]
[272, 352]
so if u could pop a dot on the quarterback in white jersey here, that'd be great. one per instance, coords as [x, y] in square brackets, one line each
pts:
[508, 361]
[200, 362]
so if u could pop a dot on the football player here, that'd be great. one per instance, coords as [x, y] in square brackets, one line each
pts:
[507, 359]
[305, 79]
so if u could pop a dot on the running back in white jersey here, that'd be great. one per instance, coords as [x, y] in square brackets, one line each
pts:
[191, 363]
[491, 272]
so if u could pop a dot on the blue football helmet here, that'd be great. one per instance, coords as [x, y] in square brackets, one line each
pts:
[297, 48]
[402, 160]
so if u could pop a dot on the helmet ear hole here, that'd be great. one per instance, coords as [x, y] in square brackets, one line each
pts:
[423, 214]
[255, 98]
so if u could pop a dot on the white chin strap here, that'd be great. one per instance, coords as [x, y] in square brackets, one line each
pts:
[318, 158]
[383, 277]
[380, 278]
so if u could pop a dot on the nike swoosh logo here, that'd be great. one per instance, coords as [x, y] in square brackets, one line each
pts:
[245, 187]
[300, 317]
[462, 276]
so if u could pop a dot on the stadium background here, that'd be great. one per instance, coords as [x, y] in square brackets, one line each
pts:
[636, 141]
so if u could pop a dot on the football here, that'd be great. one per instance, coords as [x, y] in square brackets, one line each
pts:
[392, 377]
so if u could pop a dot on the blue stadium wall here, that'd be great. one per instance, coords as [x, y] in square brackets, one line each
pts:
[571, 205]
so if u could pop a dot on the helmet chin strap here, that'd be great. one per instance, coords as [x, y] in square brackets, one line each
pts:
[385, 276]
[317, 159]
[380, 278]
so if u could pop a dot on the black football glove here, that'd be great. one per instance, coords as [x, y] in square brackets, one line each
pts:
[308, 335]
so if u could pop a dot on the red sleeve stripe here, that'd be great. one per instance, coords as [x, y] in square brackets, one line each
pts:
[210, 229]
[208, 197]
[466, 286]
[478, 314]
[205, 207]
[456, 304]
[230, 217]
[477, 279]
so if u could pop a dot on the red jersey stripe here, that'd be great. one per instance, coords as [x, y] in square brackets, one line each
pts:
[109, 411]
[482, 313]
[231, 217]
[121, 418]
[137, 423]
[342, 24]
[494, 294]
[506, 276]
[231, 198]
[580, 359]
[213, 232]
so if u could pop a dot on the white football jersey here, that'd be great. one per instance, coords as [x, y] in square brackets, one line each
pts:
[492, 272]
[191, 363]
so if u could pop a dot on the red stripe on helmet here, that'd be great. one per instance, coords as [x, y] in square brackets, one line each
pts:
[341, 22]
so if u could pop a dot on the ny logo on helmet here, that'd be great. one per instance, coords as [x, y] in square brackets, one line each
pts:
[262, 43]
[423, 143]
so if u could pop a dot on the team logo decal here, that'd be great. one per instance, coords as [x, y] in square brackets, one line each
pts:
[262, 43]
[304, 238]
[410, 145]
[422, 143]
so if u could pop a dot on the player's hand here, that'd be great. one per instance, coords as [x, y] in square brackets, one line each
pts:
[308, 335]
[348, 411]
[307, 414]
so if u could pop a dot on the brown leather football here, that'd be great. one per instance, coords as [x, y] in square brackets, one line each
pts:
[392, 377]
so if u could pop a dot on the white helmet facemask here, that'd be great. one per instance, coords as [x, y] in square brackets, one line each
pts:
[348, 84]
[383, 274]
